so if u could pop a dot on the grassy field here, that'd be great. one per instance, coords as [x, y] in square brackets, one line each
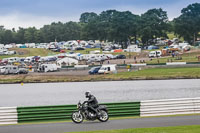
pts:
[186, 57]
[159, 73]
[153, 73]
[176, 129]
[25, 52]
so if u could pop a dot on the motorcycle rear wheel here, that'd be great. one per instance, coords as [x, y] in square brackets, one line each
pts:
[77, 118]
[104, 116]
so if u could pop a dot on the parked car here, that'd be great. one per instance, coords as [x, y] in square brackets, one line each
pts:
[121, 57]
[79, 48]
[22, 71]
[94, 70]
[55, 50]
[52, 59]
[2, 69]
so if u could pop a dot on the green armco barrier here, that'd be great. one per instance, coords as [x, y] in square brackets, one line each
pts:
[192, 62]
[63, 112]
[157, 64]
[67, 67]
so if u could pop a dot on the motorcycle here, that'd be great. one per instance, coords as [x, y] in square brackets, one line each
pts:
[84, 113]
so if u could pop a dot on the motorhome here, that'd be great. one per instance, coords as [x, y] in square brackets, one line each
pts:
[105, 69]
[9, 69]
[13, 59]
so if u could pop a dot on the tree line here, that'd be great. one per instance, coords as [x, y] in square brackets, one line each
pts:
[112, 25]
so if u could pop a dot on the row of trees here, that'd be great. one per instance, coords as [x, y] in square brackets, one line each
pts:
[48, 33]
[114, 26]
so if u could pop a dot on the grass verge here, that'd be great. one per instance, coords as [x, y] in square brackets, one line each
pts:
[176, 129]
[146, 74]
[25, 52]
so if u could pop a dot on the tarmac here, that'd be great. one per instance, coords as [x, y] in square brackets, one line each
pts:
[95, 125]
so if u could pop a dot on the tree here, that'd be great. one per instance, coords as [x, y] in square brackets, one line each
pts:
[20, 35]
[72, 31]
[29, 34]
[153, 24]
[124, 25]
[187, 24]
[2, 29]
[8, 37]
[89, 30]
[87, 17]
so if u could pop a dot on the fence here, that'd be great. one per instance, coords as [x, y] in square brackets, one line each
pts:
[63, 112]
[8, 115]
[14, 115]
[170, 107]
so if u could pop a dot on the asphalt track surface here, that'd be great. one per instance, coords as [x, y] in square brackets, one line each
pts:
[111, 124]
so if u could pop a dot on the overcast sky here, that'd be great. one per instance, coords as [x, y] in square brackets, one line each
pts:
[29, 13]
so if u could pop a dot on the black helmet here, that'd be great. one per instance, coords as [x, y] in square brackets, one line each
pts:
[87, 94]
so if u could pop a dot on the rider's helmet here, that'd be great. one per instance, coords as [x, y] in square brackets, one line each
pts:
[87, 94]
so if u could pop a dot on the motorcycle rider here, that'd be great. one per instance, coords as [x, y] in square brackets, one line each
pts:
[92, 102]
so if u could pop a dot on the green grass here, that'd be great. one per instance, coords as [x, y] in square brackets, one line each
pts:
[175, 129]
[149, 74]
[157, 73]
[29, 52]
[172, 35]
[86, 51]
[186, 57]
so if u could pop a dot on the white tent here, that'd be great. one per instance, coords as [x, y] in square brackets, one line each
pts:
[1, 46]
[67, 62]
[133, 48]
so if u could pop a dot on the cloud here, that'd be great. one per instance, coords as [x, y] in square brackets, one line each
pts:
[29, 13]
[16, 20]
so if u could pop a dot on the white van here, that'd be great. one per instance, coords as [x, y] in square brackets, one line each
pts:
[107, 69]
[155, 54]
[47, 68]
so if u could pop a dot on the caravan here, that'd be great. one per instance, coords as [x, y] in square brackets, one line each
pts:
[10, 69]
[47, 68]
[105, 69]
[155, 54]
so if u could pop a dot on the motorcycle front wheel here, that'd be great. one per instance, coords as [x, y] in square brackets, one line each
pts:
[77, 117]
[104, 116]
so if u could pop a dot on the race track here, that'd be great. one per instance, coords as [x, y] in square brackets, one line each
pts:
[40, 94]
[112, 124]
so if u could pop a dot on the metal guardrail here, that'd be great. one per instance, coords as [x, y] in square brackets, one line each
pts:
[8, 115]
[13, 115]
[170, 107]
[139, 65]
[63, 112]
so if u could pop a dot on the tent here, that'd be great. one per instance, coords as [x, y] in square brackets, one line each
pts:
[118, 50]
[67, 62]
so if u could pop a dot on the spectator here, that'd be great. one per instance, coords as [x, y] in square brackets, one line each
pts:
[173, 54]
